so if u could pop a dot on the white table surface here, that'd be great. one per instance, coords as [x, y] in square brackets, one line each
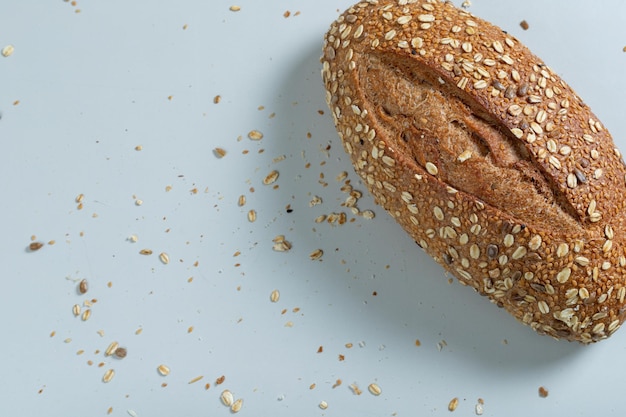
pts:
[92, 86]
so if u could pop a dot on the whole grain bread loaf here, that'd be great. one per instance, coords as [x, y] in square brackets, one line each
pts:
[489, 160]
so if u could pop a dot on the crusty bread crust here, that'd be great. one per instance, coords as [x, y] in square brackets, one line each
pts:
[487, 158]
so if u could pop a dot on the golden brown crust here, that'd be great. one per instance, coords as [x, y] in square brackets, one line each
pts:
[486, 157]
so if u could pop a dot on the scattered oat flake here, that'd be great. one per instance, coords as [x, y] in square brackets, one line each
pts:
[131, 413]
[8, 50]
[111, 348]
[479, 409]
[286, 14]
[275, 296]
[219, 152]
[252, 216]
[374, 389]
[524, 25]
[323, 405]
[543, 392]
[235, 8]
[316, 200]
[86, 314]
[163, 370]
[316, 254]
[164, 258]
[271, 178]
[236, 406]
[145, 252]
[280, 244]
[217, 99]
[453, 404]
[355, 389]
[255, 135]
[108, 376]
[227, 398]
[138, 148]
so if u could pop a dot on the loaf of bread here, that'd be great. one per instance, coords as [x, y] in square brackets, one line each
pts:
[491, 162]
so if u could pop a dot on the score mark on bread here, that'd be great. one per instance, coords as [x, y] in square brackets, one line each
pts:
[486, 157]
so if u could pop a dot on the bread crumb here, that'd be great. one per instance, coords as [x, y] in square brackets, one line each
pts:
[543, 392]
[524, 25]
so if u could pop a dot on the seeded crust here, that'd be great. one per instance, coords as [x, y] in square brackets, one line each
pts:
[490, 161]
